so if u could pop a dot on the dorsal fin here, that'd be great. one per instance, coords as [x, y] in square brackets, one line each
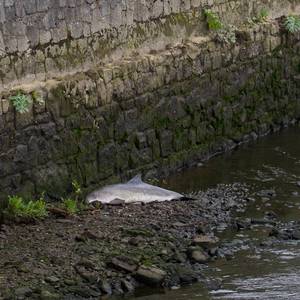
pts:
[136, 179]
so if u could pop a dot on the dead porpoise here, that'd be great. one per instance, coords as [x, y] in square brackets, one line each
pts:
[135, 190]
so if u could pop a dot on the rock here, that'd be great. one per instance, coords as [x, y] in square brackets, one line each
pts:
[205, 241]
[179, 257]
[46, 295]
[213, 251]
[86, 235]
[127, 286]
[86, 264]
[271, 215]
[83, 291]
[69, 282]
[262, 222]
[117, 288]
[135, 232]
[243, 224]
[280, 234]
[179, 224]
[52, 279]
[198, 255]
[135, 241]
[201, 229]
[58, 212]
[186, 274]
[213, 284]
[150, 275]
[267, 193]
[89, 276]
[23, 292]
[296, 234]
[105, 287]
[124, 263]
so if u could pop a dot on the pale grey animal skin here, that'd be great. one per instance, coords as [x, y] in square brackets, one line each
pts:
[134, 190]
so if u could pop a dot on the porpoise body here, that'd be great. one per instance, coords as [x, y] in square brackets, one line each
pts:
[134, 190]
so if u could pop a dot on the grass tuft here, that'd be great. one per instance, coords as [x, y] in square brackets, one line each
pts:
[17, 207]
[70, 206]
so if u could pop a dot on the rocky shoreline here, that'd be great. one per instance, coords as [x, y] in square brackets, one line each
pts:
[113, 250]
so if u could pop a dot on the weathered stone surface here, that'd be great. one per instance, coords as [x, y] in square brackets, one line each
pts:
[150, 275]
[124, 263]
[205, 241]
[196, 254]
[153, 110]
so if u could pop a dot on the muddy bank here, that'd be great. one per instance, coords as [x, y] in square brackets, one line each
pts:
[114, 250]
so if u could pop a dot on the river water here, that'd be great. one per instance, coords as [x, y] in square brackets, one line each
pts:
[263, 267]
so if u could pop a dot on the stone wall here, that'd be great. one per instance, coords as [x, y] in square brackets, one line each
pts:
[41, 39]
[154, 111]
[161, 110]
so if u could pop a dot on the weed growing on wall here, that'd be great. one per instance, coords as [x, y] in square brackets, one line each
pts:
[292, 24]
[227, 35]
[213, 20]
[21, 102]
[223, 33]
[262, 16]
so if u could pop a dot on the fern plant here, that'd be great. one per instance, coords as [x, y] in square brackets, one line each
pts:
[21, 102]
[17, 207]
[292, 24]
[213, 20]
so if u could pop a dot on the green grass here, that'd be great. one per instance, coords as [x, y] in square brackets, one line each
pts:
[18, 207]
[70, 206]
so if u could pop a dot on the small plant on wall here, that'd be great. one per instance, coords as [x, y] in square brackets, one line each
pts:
[292, 24]
[21, 102]
[213, 20]
[225, 34]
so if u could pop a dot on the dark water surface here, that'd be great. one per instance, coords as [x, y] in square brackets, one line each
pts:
[255, 272]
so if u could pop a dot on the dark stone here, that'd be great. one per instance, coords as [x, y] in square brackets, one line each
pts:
[46, 295]
[263, 222]
[105, 287]
[186, 274]
[23, 292]
[296, 234]
[124, 263]
[52, 280]
[127, 285]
